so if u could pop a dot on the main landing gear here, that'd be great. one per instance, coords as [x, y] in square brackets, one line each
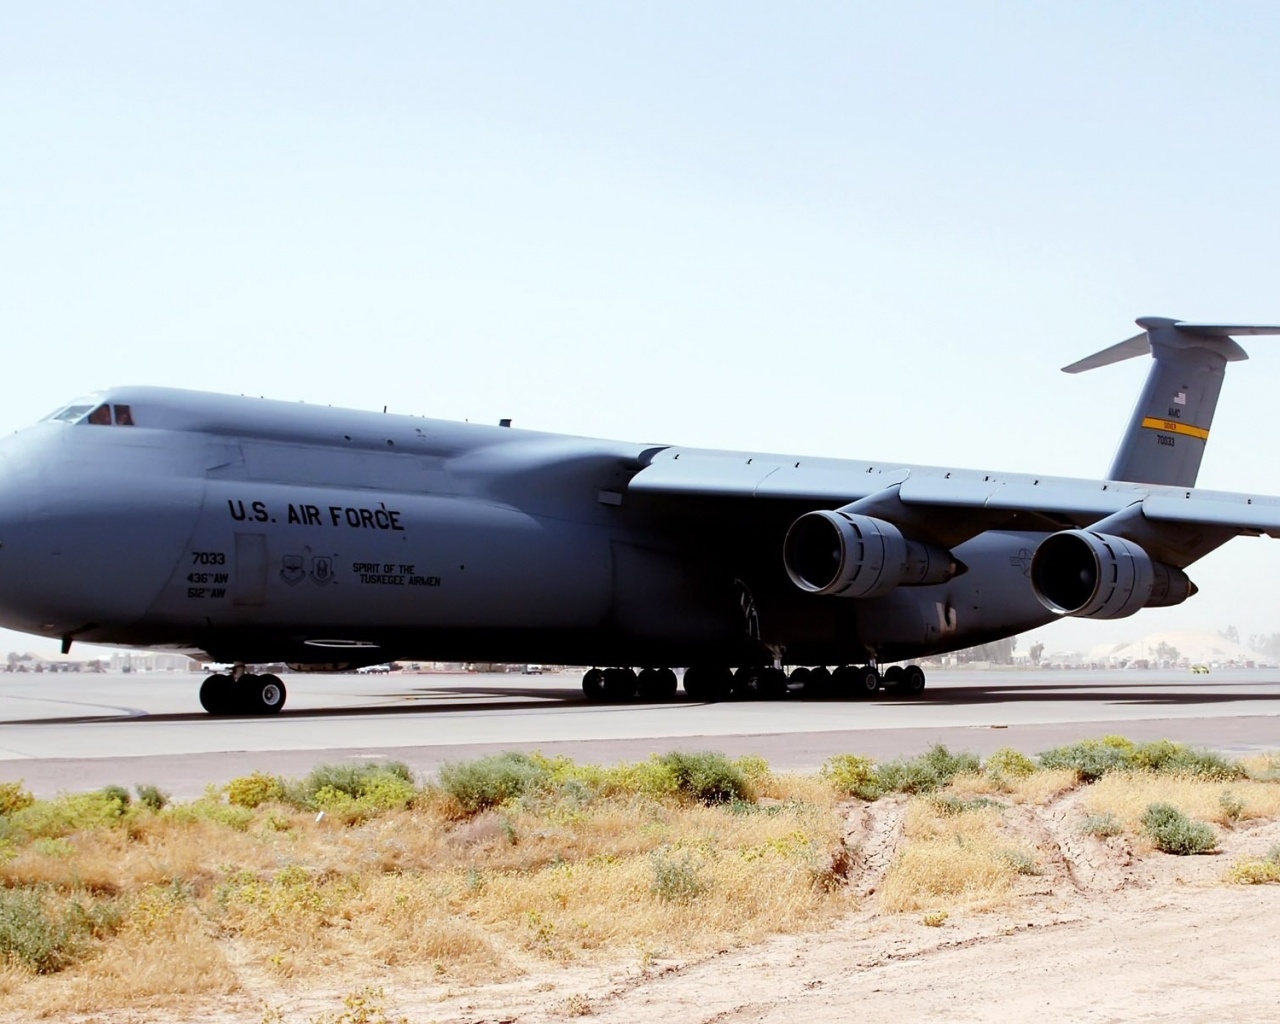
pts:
[241, 693]
[711, 683]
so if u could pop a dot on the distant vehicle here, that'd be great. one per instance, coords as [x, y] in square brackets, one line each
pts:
[248, 532]
[373, 669]
[532, 670]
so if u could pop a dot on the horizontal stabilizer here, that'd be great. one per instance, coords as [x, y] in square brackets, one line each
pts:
[1138, 345]
[1169, 331]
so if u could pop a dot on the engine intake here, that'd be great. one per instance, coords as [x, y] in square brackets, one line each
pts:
[850, 555]
[1097, 576]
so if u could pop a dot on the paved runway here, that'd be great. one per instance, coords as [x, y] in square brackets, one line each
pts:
[74, 732]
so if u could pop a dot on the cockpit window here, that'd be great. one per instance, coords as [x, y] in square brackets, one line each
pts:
[71, 413]
[98, 415]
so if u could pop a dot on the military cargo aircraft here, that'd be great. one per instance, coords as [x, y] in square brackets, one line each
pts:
[247, 531]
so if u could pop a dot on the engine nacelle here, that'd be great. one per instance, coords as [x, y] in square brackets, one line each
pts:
[850, 555]
[1097, 576]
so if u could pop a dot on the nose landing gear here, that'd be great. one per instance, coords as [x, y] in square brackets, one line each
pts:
[242, 693]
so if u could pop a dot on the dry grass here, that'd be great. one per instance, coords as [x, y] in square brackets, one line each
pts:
[553, 875]
[1038, 787]
[570, 869]
[1128, 794]
[952, 860]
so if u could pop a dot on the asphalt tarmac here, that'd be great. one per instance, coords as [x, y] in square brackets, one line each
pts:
[69, 732]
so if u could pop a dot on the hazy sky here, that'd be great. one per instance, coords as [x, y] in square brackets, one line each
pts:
[873, 230]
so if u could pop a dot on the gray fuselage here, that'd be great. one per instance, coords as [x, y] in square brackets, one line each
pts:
[251, 530]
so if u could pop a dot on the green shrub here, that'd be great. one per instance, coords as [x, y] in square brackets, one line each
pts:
[676, 880]
[852, 774]
[67, 814]
[1232, 806]
[254, 789]
[118, 794]
[1169, 758]
[230, 816]
[1091, 759]
[355, 779]
[1103, 826]
[1007, 763]
[707, 776]
[755, 769]
[653, 778]
[33, 935]
[931, 770]
[14, 798]
[152, 796]
[1022, 862]
[490, 781]
[1257, 871]
[1173, 832]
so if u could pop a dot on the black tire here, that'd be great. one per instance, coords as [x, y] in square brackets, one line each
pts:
[656, 684]
[619, 684]
[744, 685]
[696, 683]
[844, 681]
[708, 684]
[893, 676]
[261, 695]
[913, 679]
[593, 684]
[771, 684]
[215, 695]
[799, 681]
[866, 681]
[819, 683]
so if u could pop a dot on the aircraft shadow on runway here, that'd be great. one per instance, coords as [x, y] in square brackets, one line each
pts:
[1153, 693]
[432, 701]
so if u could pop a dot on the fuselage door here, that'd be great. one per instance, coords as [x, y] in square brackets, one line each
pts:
[249, 585]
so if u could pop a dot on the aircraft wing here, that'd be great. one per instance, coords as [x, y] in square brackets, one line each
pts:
[947, 505]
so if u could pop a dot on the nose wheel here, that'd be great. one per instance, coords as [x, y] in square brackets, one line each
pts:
[243, 694]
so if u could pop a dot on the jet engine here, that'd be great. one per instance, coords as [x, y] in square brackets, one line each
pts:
[851, 555]
[1097, 576]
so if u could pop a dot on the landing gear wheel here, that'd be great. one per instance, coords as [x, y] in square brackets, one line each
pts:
[844, 681]
[893, 676]
[696, 683]
[707, 683]
[261, 695]
[819, 683]
[799, 681]
[216, 695]
[866, 681]
[744, 684]
[619, 684]
[913, 679]
[656, 684]
[771, 684]
[593, 684]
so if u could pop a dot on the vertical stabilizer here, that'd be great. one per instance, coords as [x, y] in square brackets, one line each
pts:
[1167, 433]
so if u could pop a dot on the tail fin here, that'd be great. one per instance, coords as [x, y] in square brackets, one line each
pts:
[1165, 440]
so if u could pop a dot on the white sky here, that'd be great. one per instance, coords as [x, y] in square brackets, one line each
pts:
[846, 229]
